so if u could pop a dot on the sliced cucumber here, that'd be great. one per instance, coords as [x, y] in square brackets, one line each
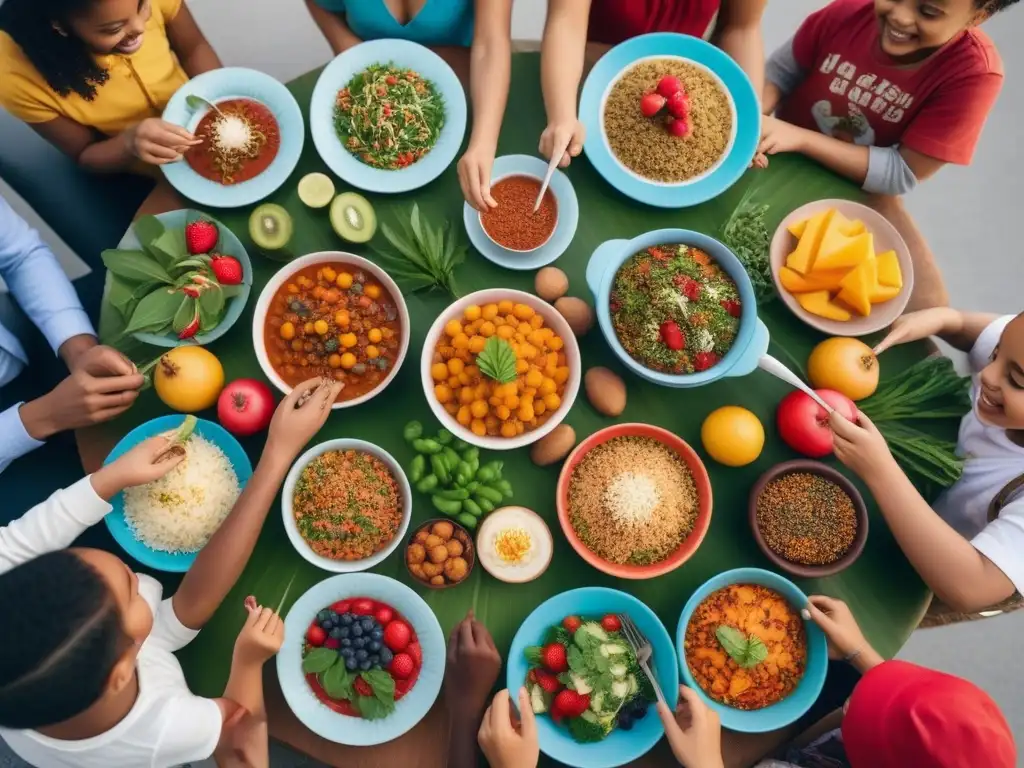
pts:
[634, 686]
[612, 649]
[579, 684]
[620, 689]
[596, 701]
[316, 190]
[618, 670]
[537, 702]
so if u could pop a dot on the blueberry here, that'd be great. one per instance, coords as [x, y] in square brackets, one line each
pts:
[326, 625]
[360, 642]
[362, 655]
[323, 615]
[373, 645]
[335, 633]
[639, 708]
[374, 657]
[365, 665]
[377, 634]
[357, 630]
[385, 656]
[345, 642]
[346, 653]
[334, 615]
[351, 663]
[625, 723]
[367, 625]
[344, 631]
[346, 619]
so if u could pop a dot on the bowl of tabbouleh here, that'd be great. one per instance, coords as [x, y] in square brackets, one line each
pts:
[634, 501]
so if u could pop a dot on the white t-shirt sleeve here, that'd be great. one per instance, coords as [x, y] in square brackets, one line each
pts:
[1002, 542]
[52, 525]
[191, 730]
[986, 343]
[168, 632]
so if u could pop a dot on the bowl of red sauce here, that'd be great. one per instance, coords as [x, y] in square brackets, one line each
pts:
[513, 224]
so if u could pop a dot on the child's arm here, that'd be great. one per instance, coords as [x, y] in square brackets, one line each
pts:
[219, 564]
[951, 566]
[190, 44]
[846, 642]
[562, 51]
[958, 329]
[489, 75]
[473, 666]
[693, 731]
[333, 27]
[738, 33]
[782, 75]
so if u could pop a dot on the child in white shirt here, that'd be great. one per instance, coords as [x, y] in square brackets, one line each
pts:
[88, 677]
[970, 549]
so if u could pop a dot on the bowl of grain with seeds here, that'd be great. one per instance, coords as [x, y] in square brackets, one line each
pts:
[634, 500]
[808, 518]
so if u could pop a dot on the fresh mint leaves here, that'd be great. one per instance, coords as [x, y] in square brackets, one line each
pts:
[746, 650]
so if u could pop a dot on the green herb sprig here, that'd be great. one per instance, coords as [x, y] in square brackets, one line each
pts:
[746, 650]
[339, 683]
[746, 234]
[425, 257]
[497, 360]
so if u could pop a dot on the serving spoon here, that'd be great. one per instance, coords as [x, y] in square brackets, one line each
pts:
[552, 164]
[770, 365]
[195, 102]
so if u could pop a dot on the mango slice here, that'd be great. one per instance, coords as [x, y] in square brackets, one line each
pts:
[889, 273]
[850, 254]
[817, 303]
[802, 259]
[794, 282]
[884, 293]
[857, 287]
[797, 229]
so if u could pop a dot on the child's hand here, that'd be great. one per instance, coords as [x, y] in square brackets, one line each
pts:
[261, 635]
[157, 142]
[860, 446]
[473, 666]
[915, 326]
[504, 743]
[837, 622]
[475, 177]
[146, 462]
[694, 732]
[567, 136]
[245, 742]
[778, 136]
[300, 415]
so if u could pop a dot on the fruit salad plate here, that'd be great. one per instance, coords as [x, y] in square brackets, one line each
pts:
[363, 659]
[590, 682]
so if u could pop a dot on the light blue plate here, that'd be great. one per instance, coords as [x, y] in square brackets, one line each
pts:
[620, 747]
[565, 230]
[228, 245]
[166, 561]
[747, 123]
[413, 707]
[794, 706]
[401, 53]
[236, 83]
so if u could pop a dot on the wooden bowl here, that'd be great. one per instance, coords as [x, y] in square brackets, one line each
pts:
[469, 551]
[886, 238]
[822, 470]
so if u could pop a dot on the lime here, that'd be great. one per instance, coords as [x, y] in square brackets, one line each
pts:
[316, 190]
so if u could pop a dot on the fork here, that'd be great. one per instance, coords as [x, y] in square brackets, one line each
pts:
[642, 648]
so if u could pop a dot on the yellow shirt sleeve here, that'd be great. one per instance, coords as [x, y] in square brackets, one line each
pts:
[23, 91]
[167, 8]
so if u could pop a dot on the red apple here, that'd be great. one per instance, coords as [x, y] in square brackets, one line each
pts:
[803, 424]
[245, 407]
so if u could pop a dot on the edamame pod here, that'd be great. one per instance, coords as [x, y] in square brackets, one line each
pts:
[444, 437]
[474, 466]
[426, 445]
[472, 486]
[413, 431]
[418, 468]
[427, 484]
[460, 445]
[448, 507]
[495, 466]
[451, 457]
[505, 487]
[469, 454]
[486, 475]
[467, 520]
[454, 494]
[472, 507]
[440, 467]
[483, 503]
[491, 494]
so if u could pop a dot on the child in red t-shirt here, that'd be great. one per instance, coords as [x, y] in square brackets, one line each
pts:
[884, 92]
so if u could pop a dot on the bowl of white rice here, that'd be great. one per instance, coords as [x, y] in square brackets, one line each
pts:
[165, 523]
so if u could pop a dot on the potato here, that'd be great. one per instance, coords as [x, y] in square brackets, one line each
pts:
[438, 554]
[554, 446]
[605, 391]
[415, 554]
[577, 314]
[551, 283]
[444, 529]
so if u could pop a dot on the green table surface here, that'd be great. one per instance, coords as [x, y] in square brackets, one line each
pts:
[881, 587]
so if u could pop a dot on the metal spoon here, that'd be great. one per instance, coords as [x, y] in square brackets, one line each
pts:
[775, 368]
[552, 164]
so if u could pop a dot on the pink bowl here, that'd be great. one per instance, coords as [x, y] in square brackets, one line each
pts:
[700, 478]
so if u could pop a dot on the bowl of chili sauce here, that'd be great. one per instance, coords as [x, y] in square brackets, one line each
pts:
[513, 224]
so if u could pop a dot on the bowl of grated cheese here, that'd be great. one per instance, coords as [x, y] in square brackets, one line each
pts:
[634, 501]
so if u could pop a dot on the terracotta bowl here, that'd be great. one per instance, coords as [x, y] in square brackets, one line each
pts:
[822, 470]
[469, 551]
[886, 239]
[700, 478]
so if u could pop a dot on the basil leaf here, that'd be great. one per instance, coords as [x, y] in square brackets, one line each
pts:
[319, 660]
[733, 641]
[231, 291]
[382, 684]
[169, 248]
[186, 314]
[373, 708]
[208, 320]
[212, 302]
[337, 682]
[135, 266]
[757, 651]
[120, 295]
[154, 313]
[148, 229]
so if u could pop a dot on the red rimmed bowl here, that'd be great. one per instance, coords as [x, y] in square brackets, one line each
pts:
[700, 478]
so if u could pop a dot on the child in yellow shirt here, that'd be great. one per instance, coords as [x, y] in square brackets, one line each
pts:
[92, 77]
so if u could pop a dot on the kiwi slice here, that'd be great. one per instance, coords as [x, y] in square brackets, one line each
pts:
[270, 227]
[353, 218]
[316, 190]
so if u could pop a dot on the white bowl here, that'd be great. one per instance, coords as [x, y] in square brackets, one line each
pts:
[548, 191]
[327, 257]
[288, 493]
[552, 319]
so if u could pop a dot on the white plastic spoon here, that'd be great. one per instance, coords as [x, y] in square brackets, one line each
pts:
[552, 164]
[775, 368]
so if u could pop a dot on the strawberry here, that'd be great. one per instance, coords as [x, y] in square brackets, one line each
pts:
[732, 306]
[611, 623]
[669, 85]
[557, 715]
[570, 703]
[226, 269]
[678, 105]
[362, 687]
[201, 236]
[192, 328]
[651, 104]
[704, 360]
[402, 666]
[679, 127]
[572, 623]
[397, 636]
[546, 681]
[332, 643]
[402, 687]
[416, 652]
[362, 607]
[671, 335]
[315, 635]
[552, 656]
[384, 615]
[342, 606]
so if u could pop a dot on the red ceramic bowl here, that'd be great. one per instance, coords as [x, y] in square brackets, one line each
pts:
[700, 478]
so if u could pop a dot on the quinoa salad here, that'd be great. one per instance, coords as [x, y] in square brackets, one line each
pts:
[674, 309]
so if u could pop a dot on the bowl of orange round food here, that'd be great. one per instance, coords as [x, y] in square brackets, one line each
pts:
[500, 368]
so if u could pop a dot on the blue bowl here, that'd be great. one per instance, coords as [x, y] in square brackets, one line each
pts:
[751, 341]
[401, 53]
[236, 83]
[229, 245]
[565, 228]
[177, 562]
[620, 747]
[794, 706]
[746, 123]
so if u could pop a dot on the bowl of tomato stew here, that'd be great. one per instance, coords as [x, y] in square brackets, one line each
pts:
[514, 225]
[336, 315]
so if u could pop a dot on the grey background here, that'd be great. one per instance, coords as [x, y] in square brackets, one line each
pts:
[967, 214]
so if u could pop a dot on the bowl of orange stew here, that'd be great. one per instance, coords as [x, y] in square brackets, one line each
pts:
[743, 645]
[335, 315]
[541, 357]
[346, 505]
